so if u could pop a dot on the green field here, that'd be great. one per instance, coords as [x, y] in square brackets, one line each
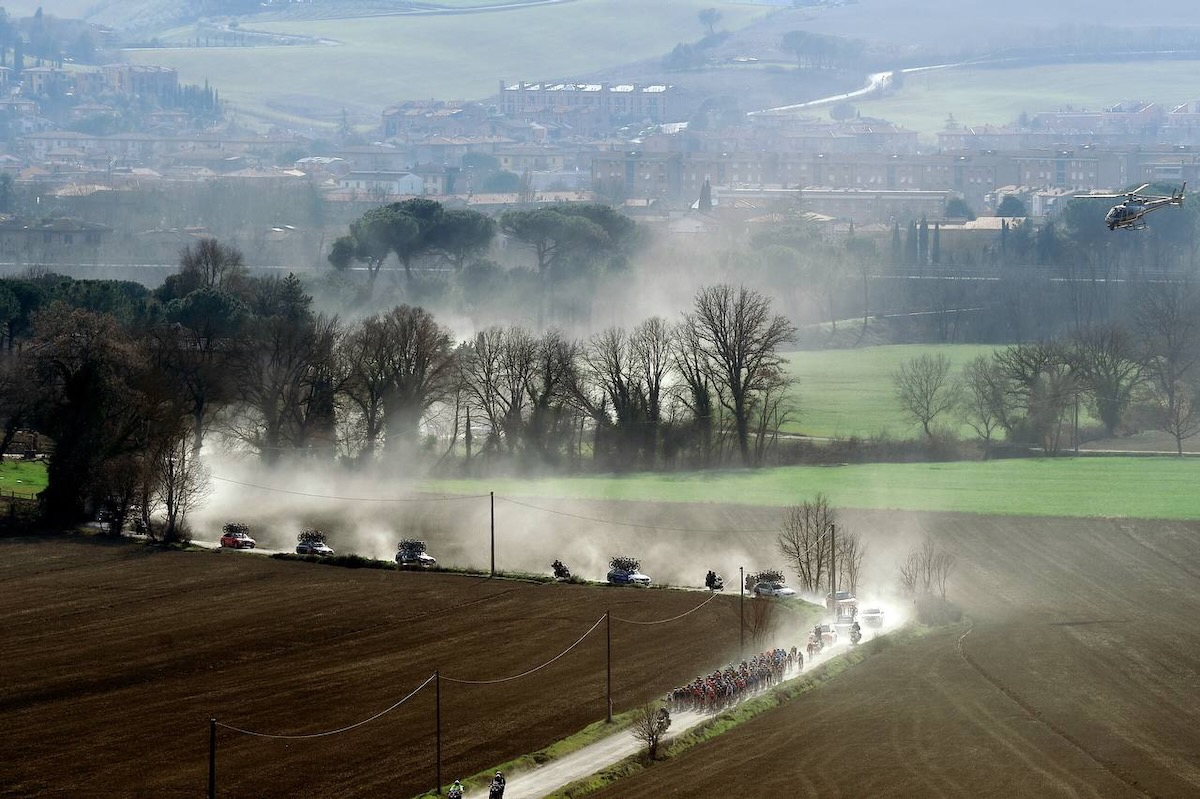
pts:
[1148, 488]
[379, 61]
[998, 96]
[22, 478]
[843, 393]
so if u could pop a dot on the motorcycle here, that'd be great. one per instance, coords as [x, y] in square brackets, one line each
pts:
[714, 582]
[496, 791]
[855, 635]
[561, 572]
[455, 793]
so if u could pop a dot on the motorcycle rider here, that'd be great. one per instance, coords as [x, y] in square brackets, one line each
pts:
[456, 790]
[855, 632]
[497, 789]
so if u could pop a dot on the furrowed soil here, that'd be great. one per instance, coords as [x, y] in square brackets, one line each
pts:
[1077, 674]
[116, 656]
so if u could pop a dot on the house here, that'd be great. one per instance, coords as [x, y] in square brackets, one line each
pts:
[383, 184]
[47, 241]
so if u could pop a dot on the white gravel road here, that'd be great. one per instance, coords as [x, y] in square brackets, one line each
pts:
[545, 780]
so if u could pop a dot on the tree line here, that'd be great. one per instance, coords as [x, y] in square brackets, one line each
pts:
[129, 384]
[1142, 373]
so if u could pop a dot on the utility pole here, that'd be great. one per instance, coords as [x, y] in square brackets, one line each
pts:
[212, 759]
[492, 500]
[608, 665]
[437, 701]
[741, 613]
[833, 568]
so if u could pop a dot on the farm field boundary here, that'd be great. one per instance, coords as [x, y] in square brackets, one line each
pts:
[1136, 487]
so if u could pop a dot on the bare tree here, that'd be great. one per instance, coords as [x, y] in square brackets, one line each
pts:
[740, 339]
[652, 342]
[850, 554]
[1106, 361]
[760, 619]
[183, 483]
[650, 724]
[1178, 413]
[940, 568]
[417, 368]
[910, 570]
[984, 400]
[1042, 384]
[698, 393]
[1167, 319]
[804, 541]
[275, 370]
[618, 404]
[208, 264]
[926, 570]
[496, 369]
[924, 389]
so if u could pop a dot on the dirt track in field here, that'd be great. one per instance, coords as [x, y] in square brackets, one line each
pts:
[1079, 677]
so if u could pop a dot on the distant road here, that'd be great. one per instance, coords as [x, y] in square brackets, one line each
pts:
[880, 81]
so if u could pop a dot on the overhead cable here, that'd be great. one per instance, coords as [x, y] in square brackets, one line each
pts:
[383, 712]
[534, 669]
[673, 618]
[632, 524]
[446, 498]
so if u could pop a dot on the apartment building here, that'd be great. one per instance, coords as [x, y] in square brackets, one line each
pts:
[552, 100]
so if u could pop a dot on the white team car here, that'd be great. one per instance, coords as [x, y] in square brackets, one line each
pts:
[871, 617]
[773, 589]
[407, 558]
[624, 577]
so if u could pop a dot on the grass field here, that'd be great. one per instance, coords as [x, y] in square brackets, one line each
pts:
[1135, 487]
[382, 60]
[998, 96]
[23, 478]
[843, 393]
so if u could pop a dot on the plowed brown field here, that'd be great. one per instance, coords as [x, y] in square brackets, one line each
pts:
[115, 656]
[1079, 675]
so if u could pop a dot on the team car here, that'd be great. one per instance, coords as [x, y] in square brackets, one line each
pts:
[314, 548]
[416, 560]
[628, 577]
[872, 617]
[773, 589]
[237, 540]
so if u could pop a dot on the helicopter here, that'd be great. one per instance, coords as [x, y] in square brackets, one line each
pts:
[1130, 214]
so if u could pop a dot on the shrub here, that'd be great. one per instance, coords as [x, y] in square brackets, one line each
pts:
[232, 528]
[311, 536]
[411, 545]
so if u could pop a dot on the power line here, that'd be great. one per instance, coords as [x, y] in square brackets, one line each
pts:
[632, 524]
[673, 618]
[530, 671]
[447, 498]
[415, 691]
